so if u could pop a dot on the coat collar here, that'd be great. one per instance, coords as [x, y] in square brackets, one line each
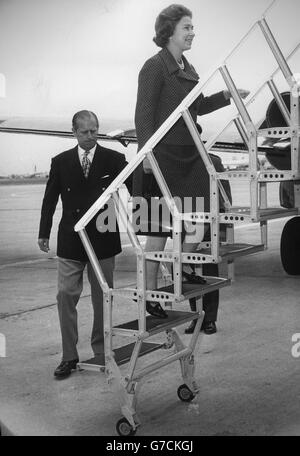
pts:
[173, 67]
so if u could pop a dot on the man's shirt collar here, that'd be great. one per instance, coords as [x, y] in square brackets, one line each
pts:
[90, 155]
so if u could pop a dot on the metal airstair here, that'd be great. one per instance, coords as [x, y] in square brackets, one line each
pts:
[143, 328]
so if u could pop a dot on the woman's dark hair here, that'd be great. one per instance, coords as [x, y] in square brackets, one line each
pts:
[166, 22]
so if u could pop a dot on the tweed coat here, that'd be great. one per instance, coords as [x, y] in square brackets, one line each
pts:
[77, 194]
[162, 85]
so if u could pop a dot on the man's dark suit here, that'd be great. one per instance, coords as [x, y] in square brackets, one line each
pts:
[78, 193]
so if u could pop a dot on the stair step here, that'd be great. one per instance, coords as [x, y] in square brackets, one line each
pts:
[190, 290]
[122, 356]
[231, 251]
[276, 212]
[166, 293]
[156, 325]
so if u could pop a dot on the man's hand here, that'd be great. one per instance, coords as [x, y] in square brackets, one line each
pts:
[44, 245]
[243, 93]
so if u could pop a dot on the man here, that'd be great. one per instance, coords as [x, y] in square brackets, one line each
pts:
[79, 176]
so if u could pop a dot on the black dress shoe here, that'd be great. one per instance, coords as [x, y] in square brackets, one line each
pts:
[193, 278]
[65, 368]
[191, 328]
[155, 309]
[209, 327]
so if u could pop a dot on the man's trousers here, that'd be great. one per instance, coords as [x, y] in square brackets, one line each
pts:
[70, 285]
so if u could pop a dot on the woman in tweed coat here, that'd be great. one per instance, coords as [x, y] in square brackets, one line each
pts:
[164, 81]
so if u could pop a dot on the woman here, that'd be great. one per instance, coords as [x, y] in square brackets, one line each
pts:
[164, 81]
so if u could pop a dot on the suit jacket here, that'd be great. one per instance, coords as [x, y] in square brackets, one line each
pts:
[77, 194]
[162, 85]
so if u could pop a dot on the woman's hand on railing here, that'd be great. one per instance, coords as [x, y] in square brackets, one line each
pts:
[147, 166]
[243, 93]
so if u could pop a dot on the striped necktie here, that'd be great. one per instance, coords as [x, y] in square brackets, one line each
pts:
[86, 164]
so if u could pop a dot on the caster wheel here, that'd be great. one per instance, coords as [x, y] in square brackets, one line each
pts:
[185, 394]
[124, 428]
[290, 247]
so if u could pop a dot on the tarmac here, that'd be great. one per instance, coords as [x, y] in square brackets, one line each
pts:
[247, 372]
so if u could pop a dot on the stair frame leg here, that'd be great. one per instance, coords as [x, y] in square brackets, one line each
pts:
[126, 391]
[187, 363]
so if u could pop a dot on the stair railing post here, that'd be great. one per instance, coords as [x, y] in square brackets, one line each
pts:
[252, 134]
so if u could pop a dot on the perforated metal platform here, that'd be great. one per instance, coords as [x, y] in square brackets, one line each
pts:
[232, 251]
[156, 325]
[193, 291]
[122, 356]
